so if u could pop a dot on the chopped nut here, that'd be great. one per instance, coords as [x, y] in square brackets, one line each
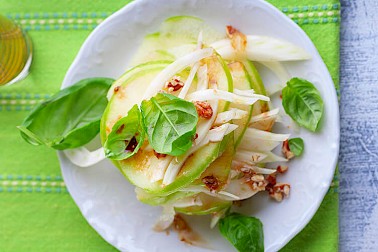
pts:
[211, 182]
[279, 191]
[286, 150]
[276, 196]
[174, 84]
[204, 109]
[230, 31]
[116, 89]
[257, 182]
[271, 179]
[159, 155]
[282, 168]
[257, 178]
[258, 186]
[238, 39]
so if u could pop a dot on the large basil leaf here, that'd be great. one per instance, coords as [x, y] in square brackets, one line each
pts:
[126, 137]
[245, 233]
[296, 145]
[70, 118]
[302, 102]
[170, 123]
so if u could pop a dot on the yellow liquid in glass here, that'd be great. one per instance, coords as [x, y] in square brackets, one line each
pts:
[15, 51]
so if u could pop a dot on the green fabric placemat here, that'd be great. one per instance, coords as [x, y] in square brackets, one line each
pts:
[36, 211]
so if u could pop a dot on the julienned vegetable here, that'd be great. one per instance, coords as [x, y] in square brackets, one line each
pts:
[190, 123]
[70, 118]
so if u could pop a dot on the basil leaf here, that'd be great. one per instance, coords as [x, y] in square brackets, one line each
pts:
[70, 118]
[244, 232]
[296, 145]
[126, 137]
[170, 123]
[302, 102]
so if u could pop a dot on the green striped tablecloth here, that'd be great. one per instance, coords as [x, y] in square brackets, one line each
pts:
[36, 212]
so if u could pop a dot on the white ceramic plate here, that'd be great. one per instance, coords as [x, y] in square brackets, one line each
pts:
[108, 201]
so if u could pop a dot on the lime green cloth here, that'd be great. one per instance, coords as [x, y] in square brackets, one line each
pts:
[36, 212]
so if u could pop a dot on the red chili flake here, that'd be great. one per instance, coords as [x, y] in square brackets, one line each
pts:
[132, 144]
[204, 109]
[211, 182]
[281, 96]
[159, 155]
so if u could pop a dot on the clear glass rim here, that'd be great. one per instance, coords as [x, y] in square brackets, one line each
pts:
[25, 70]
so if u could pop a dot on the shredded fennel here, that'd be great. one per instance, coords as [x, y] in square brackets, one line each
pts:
[83, 157]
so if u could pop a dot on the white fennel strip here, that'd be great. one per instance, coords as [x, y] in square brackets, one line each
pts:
[83, 157]
[263, 116]
[230, 115]
[193, 71]
[262, 48]
[212, 94]
[279, 70]
[166, 218]
[264, 135]
[217, 134]
[177, 66]
[248, 93]
[261, 141]
[189, 81]
[258, 157]
[223, 195]
[203, 81]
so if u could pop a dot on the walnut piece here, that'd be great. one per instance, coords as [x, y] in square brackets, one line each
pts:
[255, 181]
[204, 109]
[279, 191]
[286, 150]
[282, 168]
[211, 183]
[174, 84]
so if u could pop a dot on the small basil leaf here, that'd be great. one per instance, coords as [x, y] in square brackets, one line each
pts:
[170, 123]
[244, 232]
[70, 118]
[296, 145]
[126, 137]
[302, 102]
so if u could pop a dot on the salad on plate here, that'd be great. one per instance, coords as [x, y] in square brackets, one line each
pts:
[191, 124]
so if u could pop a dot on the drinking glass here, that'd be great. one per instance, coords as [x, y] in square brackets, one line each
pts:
[15, 52]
